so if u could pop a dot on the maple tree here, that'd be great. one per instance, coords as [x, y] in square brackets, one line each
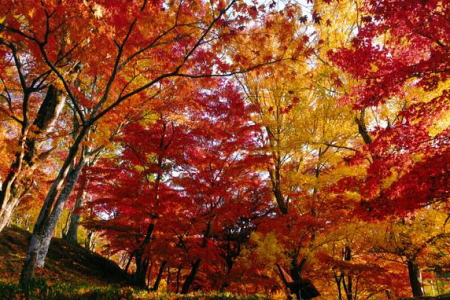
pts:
[409, 238]
[195, 191]
[409, 152]
[330, 166]
[101, 54]
[307, 137]
[305, 142]
[408, 146]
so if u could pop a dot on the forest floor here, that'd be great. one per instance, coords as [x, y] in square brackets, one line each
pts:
[65, 262]
[73, 272]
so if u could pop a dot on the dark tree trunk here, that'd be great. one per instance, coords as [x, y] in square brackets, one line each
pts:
[348, 285]
[362, 128]
[159, 277]
[275, 178]
[129, 262]
[414, 278]
[338, 280]
[142, 263]
[191, 277]
[142, 258]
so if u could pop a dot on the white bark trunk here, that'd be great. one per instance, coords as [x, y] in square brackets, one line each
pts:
[49, 228]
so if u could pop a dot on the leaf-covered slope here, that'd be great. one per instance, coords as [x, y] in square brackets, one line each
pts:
[65, 262]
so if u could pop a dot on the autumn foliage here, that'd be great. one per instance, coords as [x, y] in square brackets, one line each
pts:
[274, 147]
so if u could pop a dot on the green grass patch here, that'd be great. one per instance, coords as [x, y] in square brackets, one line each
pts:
[42, 289]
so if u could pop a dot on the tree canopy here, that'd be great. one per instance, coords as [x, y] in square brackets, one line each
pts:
[276, 147]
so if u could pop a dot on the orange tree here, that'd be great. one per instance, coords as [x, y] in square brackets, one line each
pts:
[100, 54]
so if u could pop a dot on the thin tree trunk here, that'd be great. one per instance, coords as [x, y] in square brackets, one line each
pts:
[348, 286]
[196, 265]
[11, 192]
[72, 232]
[338, 280]
[414, 278]
[275, 179]
[6, 212]
[142, 259]
[159, 277]
[89, 242]
[129, 262]
[362, 128]
[191, 277]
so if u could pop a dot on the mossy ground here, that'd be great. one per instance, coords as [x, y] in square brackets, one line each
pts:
[73, 272]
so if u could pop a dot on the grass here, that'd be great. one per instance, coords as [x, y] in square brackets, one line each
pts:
[64, 263]
[75, 273]
[42, 289]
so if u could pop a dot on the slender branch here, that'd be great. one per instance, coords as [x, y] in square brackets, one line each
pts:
[205, 33]
[114, 71]
[340, 147]
[9, 114]
[8, 94]
[64, 82]
[149, 46]
[36, 83]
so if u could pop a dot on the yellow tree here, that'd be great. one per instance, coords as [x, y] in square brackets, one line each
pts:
[307, 135]
[102, 54]
[408, 239]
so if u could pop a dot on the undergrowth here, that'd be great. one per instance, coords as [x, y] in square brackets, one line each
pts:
[41, 289]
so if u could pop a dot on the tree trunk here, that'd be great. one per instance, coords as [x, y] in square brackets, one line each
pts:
[129, 262]
[338, 280]
[142, 258]
[48, 231]
[6, 212]
[89, 242]
[414, 278]
[275, 179]
[142, 263]
[191, 277]
[72, 232]
[10, 192]
[159, 277]
[348, 285]
[52, 209]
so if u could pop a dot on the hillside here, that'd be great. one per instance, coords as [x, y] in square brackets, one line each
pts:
[65, 262]
[75, 265]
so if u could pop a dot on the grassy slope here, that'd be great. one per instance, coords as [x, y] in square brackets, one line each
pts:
[76, 265]
[65, 262]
